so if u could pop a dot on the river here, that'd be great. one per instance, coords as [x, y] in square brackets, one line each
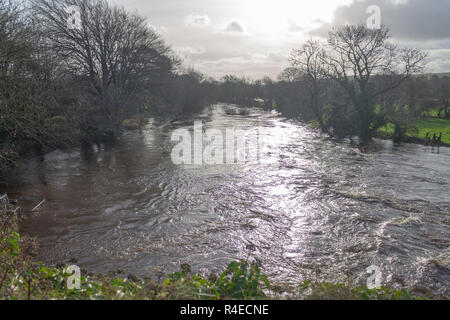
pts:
[326, 210]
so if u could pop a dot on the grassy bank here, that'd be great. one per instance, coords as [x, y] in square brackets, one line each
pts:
[420, 128]
[23, 278]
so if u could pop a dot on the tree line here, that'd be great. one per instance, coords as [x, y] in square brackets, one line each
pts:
[62, 85]
[351, 85]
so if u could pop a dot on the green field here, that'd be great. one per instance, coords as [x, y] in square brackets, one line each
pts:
[421, 127]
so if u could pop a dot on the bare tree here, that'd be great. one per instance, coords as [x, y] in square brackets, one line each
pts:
[398, 107]
[309, 61]
[116, 53]
[26, 84]
[290, 75]
[356, 55]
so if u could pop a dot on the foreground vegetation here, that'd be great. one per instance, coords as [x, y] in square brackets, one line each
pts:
[23, 278]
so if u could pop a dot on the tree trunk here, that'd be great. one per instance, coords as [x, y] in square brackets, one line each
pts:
[364, 123]
[398, 134]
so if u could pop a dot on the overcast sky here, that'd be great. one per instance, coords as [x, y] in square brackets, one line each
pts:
[254, 37]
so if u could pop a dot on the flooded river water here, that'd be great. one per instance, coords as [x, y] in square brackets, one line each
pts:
[327, 210]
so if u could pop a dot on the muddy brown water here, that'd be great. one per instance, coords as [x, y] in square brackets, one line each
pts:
[327, 210]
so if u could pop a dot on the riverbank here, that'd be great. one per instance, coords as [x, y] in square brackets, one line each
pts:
[416, 134]
[419, 130]
[22, 278]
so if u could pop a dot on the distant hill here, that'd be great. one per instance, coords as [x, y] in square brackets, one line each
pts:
[440, 75]
[429, 75]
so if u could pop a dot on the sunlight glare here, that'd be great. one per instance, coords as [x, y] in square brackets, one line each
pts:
[270, 17]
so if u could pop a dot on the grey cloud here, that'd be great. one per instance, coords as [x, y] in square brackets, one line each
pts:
[214, 50]
[293, 27]
[197, 20]
[234, 27]
[240, 66]
[407, 19]
[322, 31]
[438, 61]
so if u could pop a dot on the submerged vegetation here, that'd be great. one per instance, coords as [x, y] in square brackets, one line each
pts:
[419, 129]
